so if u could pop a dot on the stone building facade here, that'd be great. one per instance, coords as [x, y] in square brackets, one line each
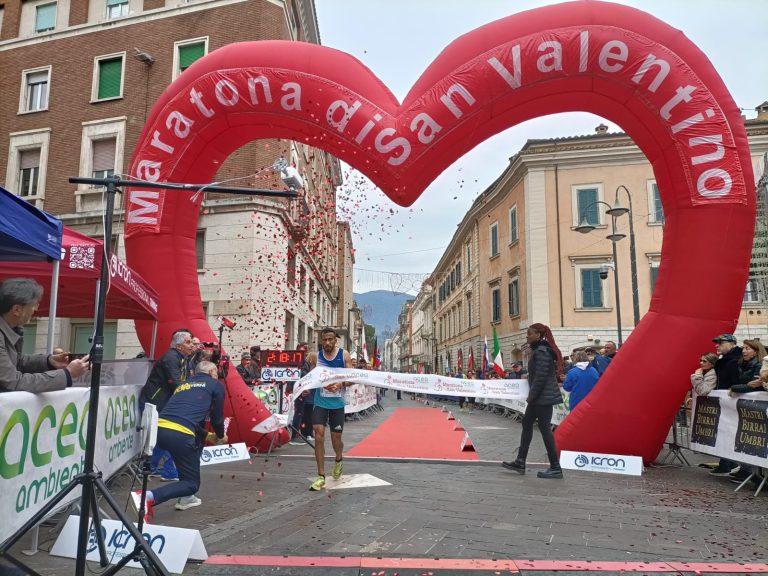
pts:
[80, 79]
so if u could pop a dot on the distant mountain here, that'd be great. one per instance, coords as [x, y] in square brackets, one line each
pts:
[380, 309]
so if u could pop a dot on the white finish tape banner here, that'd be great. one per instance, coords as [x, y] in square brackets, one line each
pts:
[358, 398]
[733, 427]
[42, 445]
[558, 415]
[418, 383]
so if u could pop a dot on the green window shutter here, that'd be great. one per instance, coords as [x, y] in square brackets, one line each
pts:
[587, 202]
[116, 2]
[189, 54]
[30, 338]
[591, 289]
[45, 17]
[110, 77]
[654, 276]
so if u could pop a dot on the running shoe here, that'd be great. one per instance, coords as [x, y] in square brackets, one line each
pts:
[318, 484]
[338, 468]
[187, 502]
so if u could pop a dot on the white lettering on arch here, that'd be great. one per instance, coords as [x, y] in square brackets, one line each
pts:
[613, 56]
[550, 61]
[715, 140]
[264, 88]
[425, 127]
[714, 174]
[651, 60]
[447, 99]
[227, 100]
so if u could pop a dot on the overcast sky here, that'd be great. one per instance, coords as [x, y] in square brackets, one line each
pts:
[398, 39]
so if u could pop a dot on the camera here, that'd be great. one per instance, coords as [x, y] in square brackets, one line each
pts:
[604, 270]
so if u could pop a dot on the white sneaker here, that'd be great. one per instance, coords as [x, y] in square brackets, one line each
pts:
[187, 502]
[295, 442]
[310, 438]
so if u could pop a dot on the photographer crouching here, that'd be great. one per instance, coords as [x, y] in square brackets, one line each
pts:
[181, 431]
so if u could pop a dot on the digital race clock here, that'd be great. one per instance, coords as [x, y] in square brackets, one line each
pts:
[283, 357]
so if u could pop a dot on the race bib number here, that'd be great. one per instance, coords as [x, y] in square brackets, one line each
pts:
[335, 394]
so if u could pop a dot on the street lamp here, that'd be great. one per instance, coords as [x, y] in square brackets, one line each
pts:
[585, 228]
[619, 210]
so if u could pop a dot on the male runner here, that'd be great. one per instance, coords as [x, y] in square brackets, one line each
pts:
[329, 405]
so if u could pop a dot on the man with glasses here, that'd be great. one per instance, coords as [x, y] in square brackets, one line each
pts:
[19, 298]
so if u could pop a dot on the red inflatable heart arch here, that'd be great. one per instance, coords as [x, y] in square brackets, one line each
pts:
[614, 61]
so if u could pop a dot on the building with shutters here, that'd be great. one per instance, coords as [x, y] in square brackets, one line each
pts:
[79, 79]
[516, 257]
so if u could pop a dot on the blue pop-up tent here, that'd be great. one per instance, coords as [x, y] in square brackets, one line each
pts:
[29, 234]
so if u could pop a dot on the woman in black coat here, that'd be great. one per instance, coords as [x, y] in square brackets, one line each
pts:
[544, 367]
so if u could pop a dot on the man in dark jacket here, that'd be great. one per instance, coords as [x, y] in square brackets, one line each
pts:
[181, 431]
[727, 370]
[169, 371]
[166, 375]
[727, 365]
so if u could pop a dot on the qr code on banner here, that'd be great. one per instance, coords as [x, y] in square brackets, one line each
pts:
[82, 257]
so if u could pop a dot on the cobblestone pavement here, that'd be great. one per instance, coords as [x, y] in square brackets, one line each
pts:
[462, 510]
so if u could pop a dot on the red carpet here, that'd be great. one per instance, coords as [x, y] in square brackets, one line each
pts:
[415, 433]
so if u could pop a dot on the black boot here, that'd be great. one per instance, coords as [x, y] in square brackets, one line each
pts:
[551, 473]
[518, 466]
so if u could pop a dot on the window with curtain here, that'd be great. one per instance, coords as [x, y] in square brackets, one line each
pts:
[751, 294]
[189, 54]
[29, 172]
[117, 8]
[469, 256]
[200, 249]
[109, 78]
[45, 17]
[494, 239]
[104, 157]
[469, 310]
[513, 294]
[587, 206]
[496, 304]
[591, 288]
[36, 86]
[654, 276]
[657, 210]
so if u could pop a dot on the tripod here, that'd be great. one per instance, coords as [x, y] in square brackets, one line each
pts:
[675, 451]
[90, 480]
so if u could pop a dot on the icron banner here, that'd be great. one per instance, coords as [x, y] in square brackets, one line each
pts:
[42, 445]
[734, 427]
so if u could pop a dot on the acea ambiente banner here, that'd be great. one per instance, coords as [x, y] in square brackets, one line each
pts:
[42, 445]
[733, 427]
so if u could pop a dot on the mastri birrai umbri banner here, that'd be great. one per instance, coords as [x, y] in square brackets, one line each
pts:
[42, 445]
[733, 427]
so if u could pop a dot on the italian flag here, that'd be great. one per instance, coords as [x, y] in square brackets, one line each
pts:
[498, 363]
